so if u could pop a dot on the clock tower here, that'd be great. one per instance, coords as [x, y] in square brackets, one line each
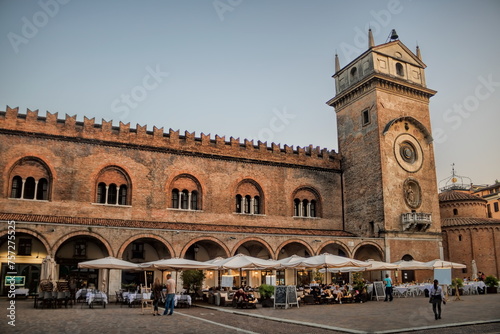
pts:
[385, 140]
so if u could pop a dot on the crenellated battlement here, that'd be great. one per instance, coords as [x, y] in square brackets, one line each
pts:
[104, 132]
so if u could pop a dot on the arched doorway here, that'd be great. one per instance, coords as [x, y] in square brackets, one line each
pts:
[77, 249]
[367, 252]
[29, 251]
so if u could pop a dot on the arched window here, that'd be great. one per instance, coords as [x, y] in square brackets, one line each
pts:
[122, 195]
[304, 208]
[306, 203]
[190, 198]
[29, 188]
[312, 209]
[42, 190]
[175, 198]
[296, 207]
[354, 74]
[455, 212]
[256, 205]
[194, 200]
[113, 187]
[30, 180]
[399, 70]
[247, 203]
[112, 193]
[101, 193]
[238, 203]
[17, 186]
[185, 200]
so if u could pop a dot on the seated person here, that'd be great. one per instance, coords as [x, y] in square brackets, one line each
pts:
[337, 293]
[240, 296]
[345, 292]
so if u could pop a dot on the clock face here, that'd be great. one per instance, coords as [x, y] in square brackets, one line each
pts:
[408, 152]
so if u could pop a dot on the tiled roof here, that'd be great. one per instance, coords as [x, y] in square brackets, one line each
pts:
[451, 195]
[469, 221]
[169, 225]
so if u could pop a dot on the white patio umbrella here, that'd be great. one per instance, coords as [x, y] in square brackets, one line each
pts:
[292, 259]
[344, 270]
[242, 261]
[109, 262]
[177, 263]
[441, 264]
[380, 265]
[328, 261]
[412, 265]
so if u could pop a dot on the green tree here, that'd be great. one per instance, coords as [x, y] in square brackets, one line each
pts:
[192, 279]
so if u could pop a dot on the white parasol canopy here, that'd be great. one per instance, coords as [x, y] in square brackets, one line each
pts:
[108, 263]
[177, 263]
[380, 265]
[412, 265]
[242, 261]
[441, 264]
[327, 261]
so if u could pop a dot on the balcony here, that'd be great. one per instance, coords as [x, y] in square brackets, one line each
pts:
[416, 221]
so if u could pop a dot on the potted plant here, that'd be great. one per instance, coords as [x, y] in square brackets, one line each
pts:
[193, 280]
[491, 284]
[457, 284]
[266, 291]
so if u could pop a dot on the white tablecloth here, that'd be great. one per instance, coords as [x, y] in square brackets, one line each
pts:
[22, 291]
[92, 295]
[186, 297]
[130, 297]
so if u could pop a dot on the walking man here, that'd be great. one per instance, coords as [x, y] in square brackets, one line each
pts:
[388, 288]
[169, 302]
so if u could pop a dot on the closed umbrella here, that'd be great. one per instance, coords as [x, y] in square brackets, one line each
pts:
[474, 269]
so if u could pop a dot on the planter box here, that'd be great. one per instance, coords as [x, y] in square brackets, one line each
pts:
[491, 289]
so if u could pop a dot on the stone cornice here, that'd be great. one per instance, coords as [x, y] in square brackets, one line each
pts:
[381, 82]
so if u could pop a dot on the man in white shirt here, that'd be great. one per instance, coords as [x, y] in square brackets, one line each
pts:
[170, 301]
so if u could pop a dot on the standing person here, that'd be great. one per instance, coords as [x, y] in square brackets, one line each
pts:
[169, 303]
[156, 294]
[388, 288]
[436, 296]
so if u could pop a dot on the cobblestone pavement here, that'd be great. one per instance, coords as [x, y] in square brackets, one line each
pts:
[473, 314]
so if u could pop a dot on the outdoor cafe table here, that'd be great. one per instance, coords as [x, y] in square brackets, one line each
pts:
[130, 297]
[92, 295]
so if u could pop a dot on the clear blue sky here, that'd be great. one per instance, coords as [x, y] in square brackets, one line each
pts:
[250, 68]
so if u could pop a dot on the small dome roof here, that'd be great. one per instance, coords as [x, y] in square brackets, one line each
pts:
[452, 196]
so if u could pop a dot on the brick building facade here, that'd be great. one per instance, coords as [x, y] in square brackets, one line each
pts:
[85, 190]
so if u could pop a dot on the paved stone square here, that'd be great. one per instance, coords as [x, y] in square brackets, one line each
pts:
[477, 313]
